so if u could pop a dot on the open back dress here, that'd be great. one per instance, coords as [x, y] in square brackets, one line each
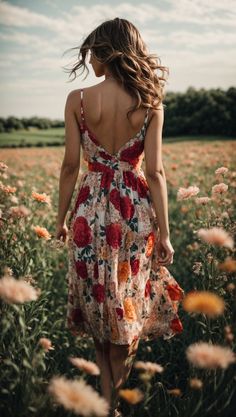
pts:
[116, 289]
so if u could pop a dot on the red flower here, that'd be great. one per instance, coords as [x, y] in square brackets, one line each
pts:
[99, 292]
[115, 198]
[113, 235]
[174, 291]
[148, 288]
[82, 195]
[176, 325]
[105, 155]
[132, 153]
[134, 266]
[142, 187]
[95, 270]
[81, 269]
[82, 232]
[77, 315]
[126, 207]
[120, 313]
[130, 179]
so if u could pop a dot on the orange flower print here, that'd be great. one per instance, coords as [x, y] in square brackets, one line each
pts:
[175, 292]
[129, 310]
[150, 243]
[123, 271]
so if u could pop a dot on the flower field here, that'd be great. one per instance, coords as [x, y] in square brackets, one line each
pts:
[45, 370]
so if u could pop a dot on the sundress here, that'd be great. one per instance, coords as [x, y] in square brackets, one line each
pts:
[117, 292]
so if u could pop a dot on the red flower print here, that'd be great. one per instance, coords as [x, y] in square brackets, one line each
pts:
[130, 179]
[126, 207]
[105, 155]
[95, 270]
[176, 325]
[120, 313]
[82, 232]
[113, 235]
[142, 187]
[115, 198]
[148, 288]
[82, 196]
[174, 291]
[81, 269]
[76, 315]
[132, 153]
[99, 292]
[134, 266]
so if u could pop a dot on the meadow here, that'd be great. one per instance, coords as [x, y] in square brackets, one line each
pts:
[35, 344]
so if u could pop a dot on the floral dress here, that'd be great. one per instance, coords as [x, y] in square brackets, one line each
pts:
[116, 289]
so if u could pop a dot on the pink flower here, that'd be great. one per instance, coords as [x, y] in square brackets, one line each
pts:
[186, 193]
[216, 236]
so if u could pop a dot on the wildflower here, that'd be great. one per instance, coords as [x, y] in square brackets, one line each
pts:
[78, 397]
[19, 211]
[195, 383]
[230, 287]
[87, 366]
[229, 265]
[219, 188]
[42, 232]
[197, 267]
[3, 167]
[175, 391]
[17, 290]
[8, 189]
[132, 396]
[204, 302]
[186, 193]
[206, 355]
[149, 366]
[42, 198]
[221, 170]
[46, 344]
[202, 200]
[216, 236]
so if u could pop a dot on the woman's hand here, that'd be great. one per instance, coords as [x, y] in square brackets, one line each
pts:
[165, 252]
[61, 232]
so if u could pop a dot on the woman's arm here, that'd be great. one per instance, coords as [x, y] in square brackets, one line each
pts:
[154, 170]
[71, 162]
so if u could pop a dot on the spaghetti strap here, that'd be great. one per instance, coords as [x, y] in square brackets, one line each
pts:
[146, 118]
[82, 106]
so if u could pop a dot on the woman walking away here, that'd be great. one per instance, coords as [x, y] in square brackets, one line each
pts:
[119, 289]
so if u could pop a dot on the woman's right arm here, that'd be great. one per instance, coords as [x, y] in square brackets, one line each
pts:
[154, 170]
[156, 179]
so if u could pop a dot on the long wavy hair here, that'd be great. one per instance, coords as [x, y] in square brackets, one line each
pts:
[118, 44]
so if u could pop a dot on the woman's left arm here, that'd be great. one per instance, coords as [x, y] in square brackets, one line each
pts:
[71, 162]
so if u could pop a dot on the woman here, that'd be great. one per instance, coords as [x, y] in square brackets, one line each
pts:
[120, 290]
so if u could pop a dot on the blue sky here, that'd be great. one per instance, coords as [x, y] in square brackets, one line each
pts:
[196, 39]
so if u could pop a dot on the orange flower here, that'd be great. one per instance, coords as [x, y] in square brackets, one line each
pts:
[42, 198]
[132, 396]
[195, 383]
[123, 271]
[87, 366]
[46, 344]
[204, 302]
[175, 391]
[229, 265]
[129, 309]
[150, 243]
[8, 189]
[42, 232]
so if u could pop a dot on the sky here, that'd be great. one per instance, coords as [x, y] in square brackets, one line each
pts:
[196, 39]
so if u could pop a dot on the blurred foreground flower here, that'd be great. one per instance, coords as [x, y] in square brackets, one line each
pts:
[175, 391]
[46, 344]
[41, 198]
[148, 366]
[132, 396]
[42, 232]
[78, 397]
[186, 193]
[216, 236]
[229, 265]
[205, 302]
[206, 355]
[17, 290]
[87, 366]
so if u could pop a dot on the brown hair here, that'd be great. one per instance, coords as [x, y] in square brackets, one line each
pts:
[118, 44]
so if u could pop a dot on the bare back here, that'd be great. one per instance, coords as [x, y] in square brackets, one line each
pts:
[105, 106]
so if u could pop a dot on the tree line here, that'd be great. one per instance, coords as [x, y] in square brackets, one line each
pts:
[194, 112]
